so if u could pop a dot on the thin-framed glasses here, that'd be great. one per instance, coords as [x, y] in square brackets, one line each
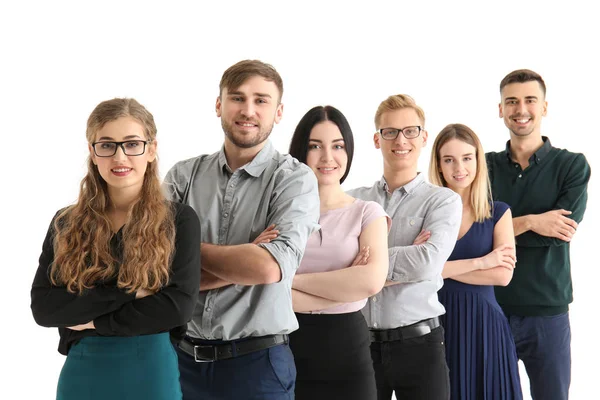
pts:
[409, 132]
[129, 147]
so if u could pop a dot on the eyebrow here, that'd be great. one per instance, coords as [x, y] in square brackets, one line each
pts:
[320, 141]
[243, 94]
[466, 154]
[128, 137]
[526, 97]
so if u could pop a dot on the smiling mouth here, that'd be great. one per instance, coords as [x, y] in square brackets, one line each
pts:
[246, 124]
[401, 152]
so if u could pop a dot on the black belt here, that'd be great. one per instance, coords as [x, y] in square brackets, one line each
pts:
[223, 351]
[405, 332]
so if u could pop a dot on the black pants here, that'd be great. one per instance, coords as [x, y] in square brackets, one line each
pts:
[332, 357]
[413, 369]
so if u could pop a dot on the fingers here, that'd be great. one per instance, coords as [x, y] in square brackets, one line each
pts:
[422, 237]
[362, 257]
[564, 212]
[571, 223]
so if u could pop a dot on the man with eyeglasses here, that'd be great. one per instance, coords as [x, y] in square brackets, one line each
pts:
[407, 340]
[236, 346]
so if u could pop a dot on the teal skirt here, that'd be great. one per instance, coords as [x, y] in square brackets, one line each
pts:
[139, 367]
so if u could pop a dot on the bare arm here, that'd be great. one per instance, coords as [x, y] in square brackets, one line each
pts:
[304, 302]
[356, 282]
[210, 281]
[496, 267]
[224, 263]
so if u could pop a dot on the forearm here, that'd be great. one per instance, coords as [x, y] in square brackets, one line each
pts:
[344, 285]
[497, 276]
[304, 302]
[459, 267]
[55, 307]
[243, 264]
[209, 281]
[521, 224]
[160, 312]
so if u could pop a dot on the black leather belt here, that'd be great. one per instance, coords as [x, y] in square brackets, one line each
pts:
[405, 332]
[210, 353]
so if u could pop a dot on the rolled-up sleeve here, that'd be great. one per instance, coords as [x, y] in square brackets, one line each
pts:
[294, 210]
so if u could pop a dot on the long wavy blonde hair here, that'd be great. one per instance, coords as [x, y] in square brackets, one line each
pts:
[481, 192]
[83, 231]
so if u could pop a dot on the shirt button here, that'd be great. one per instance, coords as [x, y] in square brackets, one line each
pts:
[232, 185]
[375, 325]
[520, 175]
[375, 299]
[225, 215]
[412, 222]
[207, 308]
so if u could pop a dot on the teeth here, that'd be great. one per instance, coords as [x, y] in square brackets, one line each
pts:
[326, 169]
[522, 121]
[401, 151]
[242, 124]
[121, 169]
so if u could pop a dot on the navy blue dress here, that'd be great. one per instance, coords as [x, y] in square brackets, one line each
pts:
[480, 349]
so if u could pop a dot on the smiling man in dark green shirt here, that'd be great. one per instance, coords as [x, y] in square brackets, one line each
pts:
[546, 188]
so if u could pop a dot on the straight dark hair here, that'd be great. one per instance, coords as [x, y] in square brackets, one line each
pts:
[316, 115]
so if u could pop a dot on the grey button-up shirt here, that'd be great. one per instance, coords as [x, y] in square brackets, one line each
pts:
[234, 208]
[415, 206]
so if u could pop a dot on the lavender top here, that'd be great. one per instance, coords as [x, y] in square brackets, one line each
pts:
[336, 244]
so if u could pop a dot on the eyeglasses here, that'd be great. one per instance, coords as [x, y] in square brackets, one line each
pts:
[129, 147]
[410, 132]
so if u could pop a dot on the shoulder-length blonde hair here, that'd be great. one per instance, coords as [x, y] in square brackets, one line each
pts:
[481, 193]
[82, 254]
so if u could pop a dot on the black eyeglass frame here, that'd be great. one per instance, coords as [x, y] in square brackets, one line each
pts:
[401, 130]
[122, 146]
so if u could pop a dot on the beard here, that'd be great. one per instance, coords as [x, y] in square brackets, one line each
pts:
[246, 141]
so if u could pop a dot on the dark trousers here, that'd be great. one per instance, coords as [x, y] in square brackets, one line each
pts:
[267, 374]
[413, 368]
[333, 358]
[544, 346]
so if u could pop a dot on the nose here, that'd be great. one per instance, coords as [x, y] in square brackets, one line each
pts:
[248, 110]
[326, 155]
[120, 154]
[522, 108]
[401, 138]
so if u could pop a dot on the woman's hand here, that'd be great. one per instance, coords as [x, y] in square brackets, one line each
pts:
[501, 256]
[82, 327]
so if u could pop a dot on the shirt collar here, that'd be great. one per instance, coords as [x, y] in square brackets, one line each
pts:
[536, 157]
[408, 188]
[255, 167]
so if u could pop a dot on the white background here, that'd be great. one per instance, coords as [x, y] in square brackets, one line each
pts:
[58, 60]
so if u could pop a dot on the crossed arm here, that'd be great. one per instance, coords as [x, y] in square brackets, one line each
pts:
[496, 267]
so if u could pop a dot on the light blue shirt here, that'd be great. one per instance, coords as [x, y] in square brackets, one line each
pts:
[413, 207]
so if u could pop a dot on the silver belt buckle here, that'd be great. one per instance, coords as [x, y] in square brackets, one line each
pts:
[199, 358]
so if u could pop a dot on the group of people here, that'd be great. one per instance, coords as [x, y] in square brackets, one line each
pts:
[250, 274]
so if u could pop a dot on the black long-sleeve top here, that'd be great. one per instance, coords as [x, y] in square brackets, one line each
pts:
[115, 312]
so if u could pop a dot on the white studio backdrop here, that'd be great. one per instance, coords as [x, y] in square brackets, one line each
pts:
[59, 59]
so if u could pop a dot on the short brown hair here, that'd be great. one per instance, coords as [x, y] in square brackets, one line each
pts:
[522, 76]
[238, 73]
[398, 102]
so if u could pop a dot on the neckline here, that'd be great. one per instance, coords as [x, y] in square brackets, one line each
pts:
[333, 210]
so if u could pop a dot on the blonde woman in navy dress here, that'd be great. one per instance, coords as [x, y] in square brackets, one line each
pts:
[119, 272]
[480, 350]
[344, 263]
